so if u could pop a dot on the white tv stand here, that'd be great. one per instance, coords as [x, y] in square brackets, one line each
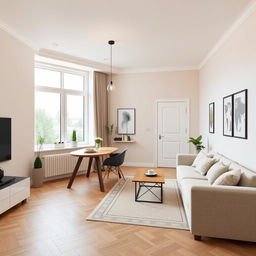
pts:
[14, 192]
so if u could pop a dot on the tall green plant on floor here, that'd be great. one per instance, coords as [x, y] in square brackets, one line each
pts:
[197, 142]
[38, 162]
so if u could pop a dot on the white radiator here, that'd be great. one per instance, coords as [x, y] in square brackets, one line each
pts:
[61, 164]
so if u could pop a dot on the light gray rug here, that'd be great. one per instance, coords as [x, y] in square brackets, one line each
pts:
[119, 206]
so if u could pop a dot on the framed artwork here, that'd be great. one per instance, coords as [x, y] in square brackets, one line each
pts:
[228, 116]
[126, 121]
[240, 114]
[212, 117]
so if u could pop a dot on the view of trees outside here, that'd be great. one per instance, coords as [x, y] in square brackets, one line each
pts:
[48, 108]
[46, 127]
[47, 120]
[75, 116]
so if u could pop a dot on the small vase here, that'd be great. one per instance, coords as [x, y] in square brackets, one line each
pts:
[98, 146]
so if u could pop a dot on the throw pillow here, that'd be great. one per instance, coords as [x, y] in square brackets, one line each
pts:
[230, 178]
[197, 159]
[200, 155]
[204, 164]
[215, 171]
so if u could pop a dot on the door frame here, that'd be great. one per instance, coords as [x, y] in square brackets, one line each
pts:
[155, 144]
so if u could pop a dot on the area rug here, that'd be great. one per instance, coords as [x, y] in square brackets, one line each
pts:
[119, 206]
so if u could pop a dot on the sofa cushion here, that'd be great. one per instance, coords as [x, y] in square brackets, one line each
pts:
[248, 177]
[186, 186]
[201, 155]
[215, 171]
[204, 164]
[188, 172]
[230, 178]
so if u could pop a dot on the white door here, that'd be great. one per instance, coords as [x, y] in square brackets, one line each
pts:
[172, 128]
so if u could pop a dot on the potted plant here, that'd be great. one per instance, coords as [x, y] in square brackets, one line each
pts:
[98, 142]
[109, 131]
[74, 139]
[197, 142]
[38, 172]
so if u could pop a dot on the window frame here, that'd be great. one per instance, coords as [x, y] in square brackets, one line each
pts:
[63, 98]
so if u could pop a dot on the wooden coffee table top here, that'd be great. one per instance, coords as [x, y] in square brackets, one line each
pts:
[141, 177]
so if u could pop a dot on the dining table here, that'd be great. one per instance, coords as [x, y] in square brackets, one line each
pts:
[82, 153]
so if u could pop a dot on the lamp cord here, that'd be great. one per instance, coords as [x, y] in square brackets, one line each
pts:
[111, 63]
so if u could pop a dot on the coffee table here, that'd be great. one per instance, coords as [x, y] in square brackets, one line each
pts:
[150, 184]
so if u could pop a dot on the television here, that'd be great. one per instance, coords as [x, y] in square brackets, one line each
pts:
[5, 139]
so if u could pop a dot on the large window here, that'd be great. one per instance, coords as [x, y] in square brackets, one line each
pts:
[61, 104]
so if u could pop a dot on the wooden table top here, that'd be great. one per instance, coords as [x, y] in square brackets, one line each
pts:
[101, 152]
[141, 177]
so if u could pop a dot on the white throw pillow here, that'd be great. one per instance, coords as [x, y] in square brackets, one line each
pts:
[230, 178]
[204, 164]
[199, 156]
[215, 171]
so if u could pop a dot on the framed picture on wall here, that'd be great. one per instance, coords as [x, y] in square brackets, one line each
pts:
[228, 116]
[212, 117]
[240, 114]
[126, 121]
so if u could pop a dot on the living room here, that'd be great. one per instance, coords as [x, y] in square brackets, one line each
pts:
[197, 57]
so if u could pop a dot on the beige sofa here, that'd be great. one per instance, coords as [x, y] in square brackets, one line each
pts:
[218, 211]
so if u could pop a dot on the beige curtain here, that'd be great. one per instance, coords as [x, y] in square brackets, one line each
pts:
[101, 106]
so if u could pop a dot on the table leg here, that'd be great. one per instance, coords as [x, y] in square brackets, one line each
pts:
[89, 166]
[97, 160]
[79, 161]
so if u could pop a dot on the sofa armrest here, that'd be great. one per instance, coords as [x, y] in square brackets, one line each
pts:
[187, 159]
[224, 212]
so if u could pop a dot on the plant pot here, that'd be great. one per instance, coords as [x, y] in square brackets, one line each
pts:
[37, 177]
[74, 143]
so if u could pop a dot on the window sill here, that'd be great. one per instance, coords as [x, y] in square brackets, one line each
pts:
[67, 146]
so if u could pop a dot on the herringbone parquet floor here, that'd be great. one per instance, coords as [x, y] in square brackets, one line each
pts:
[52, 222]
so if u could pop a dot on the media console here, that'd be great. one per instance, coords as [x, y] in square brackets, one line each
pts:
[14, 192]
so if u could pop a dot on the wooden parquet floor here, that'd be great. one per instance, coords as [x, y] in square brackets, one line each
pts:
[53, 222]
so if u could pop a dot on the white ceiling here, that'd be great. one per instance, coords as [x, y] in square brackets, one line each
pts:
[149, 34]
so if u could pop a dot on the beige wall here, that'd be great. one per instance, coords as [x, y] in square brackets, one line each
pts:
[231, 69]
[141, 91]
[17, 101]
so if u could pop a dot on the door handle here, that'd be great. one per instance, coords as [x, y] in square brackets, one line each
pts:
[160, 136]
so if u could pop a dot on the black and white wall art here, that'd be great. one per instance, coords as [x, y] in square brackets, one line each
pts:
[228, 116]
[212, 117]
[240, 114]
[126, 120]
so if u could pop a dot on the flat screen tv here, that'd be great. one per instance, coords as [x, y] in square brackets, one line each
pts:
[5, 139]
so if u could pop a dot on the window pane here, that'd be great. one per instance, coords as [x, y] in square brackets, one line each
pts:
[75, 116]
[47, 116]
[73, 82]
[45, 77]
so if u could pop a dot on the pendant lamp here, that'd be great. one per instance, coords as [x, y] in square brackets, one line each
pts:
[111, 85]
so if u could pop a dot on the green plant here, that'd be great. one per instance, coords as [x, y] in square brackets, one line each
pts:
[38, 162]
[74, 136]
[197, 142]
[109, 129]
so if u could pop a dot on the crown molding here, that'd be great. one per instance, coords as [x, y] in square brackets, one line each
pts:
[251, 8]
[96, 66]
[18, 36]
[156, 69]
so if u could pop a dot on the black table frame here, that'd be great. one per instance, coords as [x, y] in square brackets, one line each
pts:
[149, 188]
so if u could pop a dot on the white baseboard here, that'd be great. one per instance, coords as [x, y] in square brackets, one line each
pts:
[139, 164]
